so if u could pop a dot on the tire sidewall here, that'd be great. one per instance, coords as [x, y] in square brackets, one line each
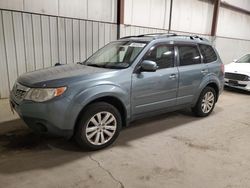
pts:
[90, 111]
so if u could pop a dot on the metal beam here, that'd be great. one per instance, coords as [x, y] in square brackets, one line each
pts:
[235, 8]
[120, 16]
[215, 17]
[170, 15]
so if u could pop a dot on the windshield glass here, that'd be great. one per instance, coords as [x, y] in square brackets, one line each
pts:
[117, 55]
[244, 59]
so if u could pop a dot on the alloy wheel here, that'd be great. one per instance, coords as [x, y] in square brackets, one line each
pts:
[101, 128]
[207, 102]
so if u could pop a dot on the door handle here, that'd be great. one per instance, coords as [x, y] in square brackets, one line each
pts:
[172, 76]
[204, 71]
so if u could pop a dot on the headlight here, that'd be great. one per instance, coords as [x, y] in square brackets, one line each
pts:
[44, 94]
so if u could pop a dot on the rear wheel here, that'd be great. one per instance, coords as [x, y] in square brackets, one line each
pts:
[205, 103]
[99, 126]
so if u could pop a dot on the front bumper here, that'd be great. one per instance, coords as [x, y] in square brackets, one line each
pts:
[50, 117]
[243, 85]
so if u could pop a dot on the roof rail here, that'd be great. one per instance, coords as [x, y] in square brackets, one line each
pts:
[162, 35]
[155, 35]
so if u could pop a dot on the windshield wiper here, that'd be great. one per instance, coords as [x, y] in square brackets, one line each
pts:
[96, 65]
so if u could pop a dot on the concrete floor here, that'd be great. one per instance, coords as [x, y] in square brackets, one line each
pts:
[171, 150]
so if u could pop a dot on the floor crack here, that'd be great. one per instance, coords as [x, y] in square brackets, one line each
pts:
[106, 170]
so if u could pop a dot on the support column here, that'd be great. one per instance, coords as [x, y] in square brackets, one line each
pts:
[215, 17]
[120, 16]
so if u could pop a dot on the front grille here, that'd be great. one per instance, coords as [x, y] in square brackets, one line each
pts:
[235, 76]
[19, 91]
[19, 94]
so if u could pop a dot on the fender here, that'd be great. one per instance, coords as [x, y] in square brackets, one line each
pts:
[210, 78]
[83, 98]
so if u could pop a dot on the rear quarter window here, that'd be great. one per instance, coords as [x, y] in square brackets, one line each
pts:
[189, 55]
[208, 53]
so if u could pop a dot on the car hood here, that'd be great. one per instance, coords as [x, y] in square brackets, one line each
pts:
[241, 68]
[59, 75]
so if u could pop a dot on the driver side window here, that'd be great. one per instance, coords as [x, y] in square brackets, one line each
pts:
[162, 54]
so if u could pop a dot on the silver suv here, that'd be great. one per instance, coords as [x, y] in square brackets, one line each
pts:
[134, 77]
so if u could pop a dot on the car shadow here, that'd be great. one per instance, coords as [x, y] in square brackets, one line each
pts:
[235, 90]
[22, 150]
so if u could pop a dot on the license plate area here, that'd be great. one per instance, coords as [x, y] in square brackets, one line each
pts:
[233, 82]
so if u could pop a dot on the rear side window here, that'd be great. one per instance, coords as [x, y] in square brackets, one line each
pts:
[162, 54]
[189, 55]
[208, 53]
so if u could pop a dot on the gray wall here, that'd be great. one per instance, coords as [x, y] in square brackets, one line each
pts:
[192, 17]
[36, 34]
[32, 41]
[100, 10]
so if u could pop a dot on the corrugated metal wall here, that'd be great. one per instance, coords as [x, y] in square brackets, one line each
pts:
[32, 41]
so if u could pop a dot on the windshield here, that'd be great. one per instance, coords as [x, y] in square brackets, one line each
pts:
[244, 59]
[117, 55]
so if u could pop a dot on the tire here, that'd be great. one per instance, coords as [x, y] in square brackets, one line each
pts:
[199, 109]
[101, 119]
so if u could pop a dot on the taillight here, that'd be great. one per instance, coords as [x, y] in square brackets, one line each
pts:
[222, 68]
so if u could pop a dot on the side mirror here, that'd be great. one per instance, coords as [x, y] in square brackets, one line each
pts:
[148, 66]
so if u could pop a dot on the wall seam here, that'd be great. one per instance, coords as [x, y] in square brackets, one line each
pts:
[5, 50]
[14, 37]
[50, 42]
[41, 25]
[34, 51]
[25, 58]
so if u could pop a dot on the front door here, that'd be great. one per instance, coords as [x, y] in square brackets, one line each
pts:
[156, 90]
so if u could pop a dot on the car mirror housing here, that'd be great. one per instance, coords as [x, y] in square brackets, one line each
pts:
[148, 66]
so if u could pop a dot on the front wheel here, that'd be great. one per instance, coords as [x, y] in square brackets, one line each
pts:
[98, 127]
[205, 103]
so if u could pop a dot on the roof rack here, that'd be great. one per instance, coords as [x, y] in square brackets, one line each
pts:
[162, 35]
[154, 35]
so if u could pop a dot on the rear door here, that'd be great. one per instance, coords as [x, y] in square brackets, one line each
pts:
[191, 72]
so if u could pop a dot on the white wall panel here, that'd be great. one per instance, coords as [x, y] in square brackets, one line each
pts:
[19, 40]
[83, 41]
[62, 41]
[54, 44]
[107, 33]
[4, 78]
[41, 6]
[73, 8]
[37, 36]
[11, 4]
[245, 4]
[99, 10]
[89, 38]
[28, 41]
[32, 41]
[192, 16]
[46, 41]
[148, 13]
[76, 41]
[230, 49]
[101, 35]
[159, 14]
[233, 24]
[10, 47]
[95, 37]
[69, 40]
[113, 35]
[103, 10]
